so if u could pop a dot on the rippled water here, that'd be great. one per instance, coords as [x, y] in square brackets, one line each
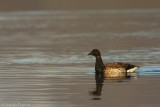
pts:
[44, 59]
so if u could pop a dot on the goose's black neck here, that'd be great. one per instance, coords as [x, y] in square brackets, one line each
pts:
[99, 66]
[99, 60]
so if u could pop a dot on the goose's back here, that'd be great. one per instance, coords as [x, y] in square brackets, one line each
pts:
[116, 65]
[120, 65]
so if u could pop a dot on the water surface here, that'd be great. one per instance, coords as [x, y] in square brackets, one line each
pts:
[44, 59]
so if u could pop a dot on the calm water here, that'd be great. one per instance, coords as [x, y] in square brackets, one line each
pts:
[44, 61]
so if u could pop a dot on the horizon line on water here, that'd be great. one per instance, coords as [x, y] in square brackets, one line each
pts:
[87, 11]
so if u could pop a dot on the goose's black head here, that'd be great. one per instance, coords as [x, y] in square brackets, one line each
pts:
[95, 52]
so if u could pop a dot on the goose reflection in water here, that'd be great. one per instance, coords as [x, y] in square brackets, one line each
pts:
[101, 77]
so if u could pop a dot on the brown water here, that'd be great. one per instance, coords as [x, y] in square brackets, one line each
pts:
[44, 61]
[19, 5]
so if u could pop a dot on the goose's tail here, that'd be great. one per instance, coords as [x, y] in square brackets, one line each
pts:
[132, 69]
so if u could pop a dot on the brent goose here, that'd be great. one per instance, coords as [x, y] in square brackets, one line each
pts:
[112, 69]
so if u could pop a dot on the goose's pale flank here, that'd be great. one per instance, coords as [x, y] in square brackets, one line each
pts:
[111, 69]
